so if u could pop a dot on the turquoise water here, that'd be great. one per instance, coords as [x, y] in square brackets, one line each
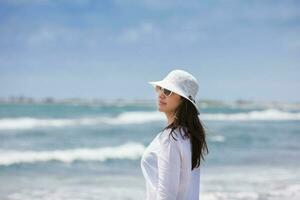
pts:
[59, 151]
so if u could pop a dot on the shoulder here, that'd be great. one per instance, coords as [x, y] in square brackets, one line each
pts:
[169, 136]
[170, 144]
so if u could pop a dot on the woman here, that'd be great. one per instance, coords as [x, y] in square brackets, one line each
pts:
[171, 165]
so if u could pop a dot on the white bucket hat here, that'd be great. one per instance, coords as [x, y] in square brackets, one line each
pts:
[181, 83]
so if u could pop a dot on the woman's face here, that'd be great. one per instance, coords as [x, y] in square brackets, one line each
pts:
[167, 104]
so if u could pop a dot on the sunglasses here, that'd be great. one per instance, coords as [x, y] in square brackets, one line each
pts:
[165, 91]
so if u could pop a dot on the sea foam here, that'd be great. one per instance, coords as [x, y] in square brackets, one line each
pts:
[140, 117]
[129, 150]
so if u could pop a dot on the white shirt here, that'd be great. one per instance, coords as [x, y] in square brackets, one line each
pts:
[166, 166]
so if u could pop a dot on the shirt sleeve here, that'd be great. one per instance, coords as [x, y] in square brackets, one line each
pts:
[169, 162]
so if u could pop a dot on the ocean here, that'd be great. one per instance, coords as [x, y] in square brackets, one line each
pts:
[92, 151]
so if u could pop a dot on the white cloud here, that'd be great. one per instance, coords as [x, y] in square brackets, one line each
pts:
[153, 4]
[143, 31]
[39, 2]
[66, 36]
[51, 35]
[179, 32]
[188, 36]
[24, 2]
[264, 12]
[293, 45]
[43, 35]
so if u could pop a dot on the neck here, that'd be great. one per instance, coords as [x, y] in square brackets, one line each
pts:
[170, 117]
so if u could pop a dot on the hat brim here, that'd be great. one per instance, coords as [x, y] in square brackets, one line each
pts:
[173, 89]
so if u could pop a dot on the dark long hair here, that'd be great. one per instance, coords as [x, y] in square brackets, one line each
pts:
[186, 118]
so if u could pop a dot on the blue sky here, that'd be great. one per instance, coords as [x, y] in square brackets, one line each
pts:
[110, 49]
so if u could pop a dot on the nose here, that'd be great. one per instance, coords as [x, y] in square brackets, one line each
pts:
[161, 95]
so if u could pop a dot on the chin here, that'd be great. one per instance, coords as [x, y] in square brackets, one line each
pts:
[161, 109]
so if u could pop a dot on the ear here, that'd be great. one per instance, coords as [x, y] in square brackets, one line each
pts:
[181, 100]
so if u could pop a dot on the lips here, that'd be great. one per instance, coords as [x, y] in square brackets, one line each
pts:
[160, 102]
